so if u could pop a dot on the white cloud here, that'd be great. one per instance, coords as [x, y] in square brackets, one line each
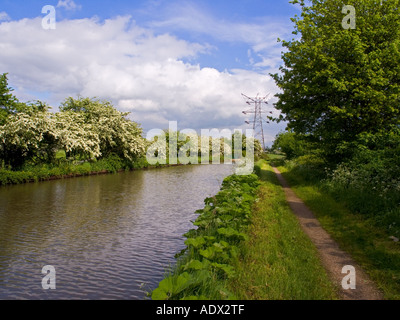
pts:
[69, 5]
[4, 16]
[260, 36]
[139, 71]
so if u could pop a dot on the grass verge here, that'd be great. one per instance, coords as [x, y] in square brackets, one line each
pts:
[278, 261]
[248, 245]
[357, 234]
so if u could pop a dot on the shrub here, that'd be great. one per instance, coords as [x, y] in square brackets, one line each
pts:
[257, 169]
[311, 167]
[206, 262]
[140, 164]
[83, 169]
[13, 177]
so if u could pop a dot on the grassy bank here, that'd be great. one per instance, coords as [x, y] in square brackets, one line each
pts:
[278, 261]
[63, 169]
[66, 169]
[248, 245]
[361, 235]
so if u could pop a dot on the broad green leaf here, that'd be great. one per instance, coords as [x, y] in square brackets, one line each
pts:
[195, 242]
[159, 294]
[195, 265]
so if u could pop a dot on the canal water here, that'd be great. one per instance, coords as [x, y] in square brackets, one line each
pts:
[108, 237]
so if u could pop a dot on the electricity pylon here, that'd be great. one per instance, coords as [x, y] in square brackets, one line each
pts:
[258, 111]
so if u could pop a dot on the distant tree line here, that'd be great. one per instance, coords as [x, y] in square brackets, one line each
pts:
[86, 129]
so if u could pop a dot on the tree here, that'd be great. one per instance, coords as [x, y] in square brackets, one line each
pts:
[116, 133]
[27, 137]
[292, 144]
[77, 138]
[9, 104]
[8, 101]
[338, 83]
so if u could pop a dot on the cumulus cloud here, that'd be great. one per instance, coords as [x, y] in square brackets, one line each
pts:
[138, 70]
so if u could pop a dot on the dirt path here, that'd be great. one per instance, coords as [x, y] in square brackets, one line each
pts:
[332, 257]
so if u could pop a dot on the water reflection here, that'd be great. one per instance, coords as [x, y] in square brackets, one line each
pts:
[105, 235]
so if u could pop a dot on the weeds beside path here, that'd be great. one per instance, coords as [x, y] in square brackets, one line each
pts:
[332, 257]
[278, 261]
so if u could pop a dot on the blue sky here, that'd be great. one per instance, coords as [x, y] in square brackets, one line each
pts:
[162, 60]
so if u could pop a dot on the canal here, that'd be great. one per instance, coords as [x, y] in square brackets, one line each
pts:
[108, 237]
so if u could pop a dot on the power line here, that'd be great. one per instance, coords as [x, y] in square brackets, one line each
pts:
[258, 112]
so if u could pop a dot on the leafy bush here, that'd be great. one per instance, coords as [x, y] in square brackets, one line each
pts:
[46, 171]
[83, 129]
[369, 188]
[370, 180]
[367, 181]
[11, 177]
[113, 163]
[140, 163]
[83, 169]
[257, 169]
[263, 156]
[207, 260]
[292, 144]
[310, 167]
[112, 131]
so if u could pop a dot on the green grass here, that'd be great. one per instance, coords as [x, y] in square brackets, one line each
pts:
[357, 234]
[278, 262]
[274, 156]
[248, 245]
[66, 169]
[63, 168]
[274, 159]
